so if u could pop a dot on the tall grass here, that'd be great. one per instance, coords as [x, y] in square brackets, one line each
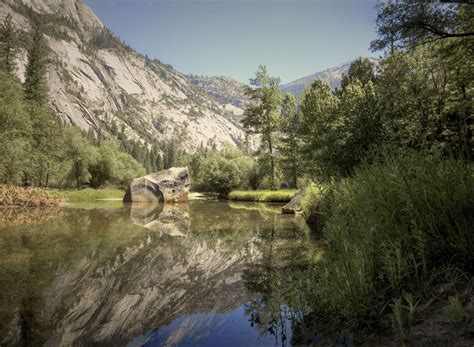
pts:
[282, 195]
[394, 228]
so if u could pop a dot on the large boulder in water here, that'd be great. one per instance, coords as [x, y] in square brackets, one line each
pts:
[170, 185]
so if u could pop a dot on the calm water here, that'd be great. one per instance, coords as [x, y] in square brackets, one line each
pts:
[203, 273]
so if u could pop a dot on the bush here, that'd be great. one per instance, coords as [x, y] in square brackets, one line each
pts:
[391, 228]
[219, 174]
[222, 171]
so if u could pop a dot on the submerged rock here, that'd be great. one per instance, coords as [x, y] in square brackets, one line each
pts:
[170, 185]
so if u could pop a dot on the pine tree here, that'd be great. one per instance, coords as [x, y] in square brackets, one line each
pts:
[8, 45]
[36, 87]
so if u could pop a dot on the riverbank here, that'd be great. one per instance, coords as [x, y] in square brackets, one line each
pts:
[282, 195]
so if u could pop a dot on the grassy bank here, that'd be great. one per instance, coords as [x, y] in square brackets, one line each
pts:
[88, 195]
[399, 243]
[283, 195]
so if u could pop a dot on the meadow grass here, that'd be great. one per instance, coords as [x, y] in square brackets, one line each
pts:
[282, 195]
[88, 194]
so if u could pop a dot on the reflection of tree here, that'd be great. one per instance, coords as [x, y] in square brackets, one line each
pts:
[283, 279]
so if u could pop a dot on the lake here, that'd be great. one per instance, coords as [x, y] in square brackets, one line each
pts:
[205, 273]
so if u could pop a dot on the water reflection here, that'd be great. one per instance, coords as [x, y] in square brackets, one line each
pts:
[202, 273]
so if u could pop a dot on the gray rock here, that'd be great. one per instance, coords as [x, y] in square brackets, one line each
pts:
[294, 206]
[170, 185]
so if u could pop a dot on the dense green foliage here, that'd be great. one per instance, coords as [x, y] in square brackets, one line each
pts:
[400, 225]
[221, 171]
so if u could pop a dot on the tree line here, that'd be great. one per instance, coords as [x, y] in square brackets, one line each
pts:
[419, 97]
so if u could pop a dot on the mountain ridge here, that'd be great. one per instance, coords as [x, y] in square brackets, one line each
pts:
[332, 76]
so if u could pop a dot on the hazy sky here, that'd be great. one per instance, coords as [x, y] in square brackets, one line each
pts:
[294, 38]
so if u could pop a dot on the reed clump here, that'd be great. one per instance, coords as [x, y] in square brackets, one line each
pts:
[26, 197]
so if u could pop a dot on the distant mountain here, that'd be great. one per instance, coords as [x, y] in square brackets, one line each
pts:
[333, 76]
[98, 82]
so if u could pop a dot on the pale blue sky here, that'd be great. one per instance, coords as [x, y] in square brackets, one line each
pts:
[294, 38]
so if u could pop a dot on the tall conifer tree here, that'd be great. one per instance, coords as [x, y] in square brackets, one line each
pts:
[36, 84]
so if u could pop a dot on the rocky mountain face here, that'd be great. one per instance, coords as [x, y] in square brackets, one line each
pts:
[98, 82]
[225, 90]
[333, 76]
[228, 91]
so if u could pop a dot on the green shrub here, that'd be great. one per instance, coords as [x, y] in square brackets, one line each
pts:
[390, 228]
[219, 175]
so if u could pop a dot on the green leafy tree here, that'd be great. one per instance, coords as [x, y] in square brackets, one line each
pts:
[408, 23]
[357, 128]
[113, 166]
[289, 147]
[427, 99]
[36, 84]
[47, 145]
[262, 115]
[81, 156]
[318, 109]
[8, 45]
[15, 130]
